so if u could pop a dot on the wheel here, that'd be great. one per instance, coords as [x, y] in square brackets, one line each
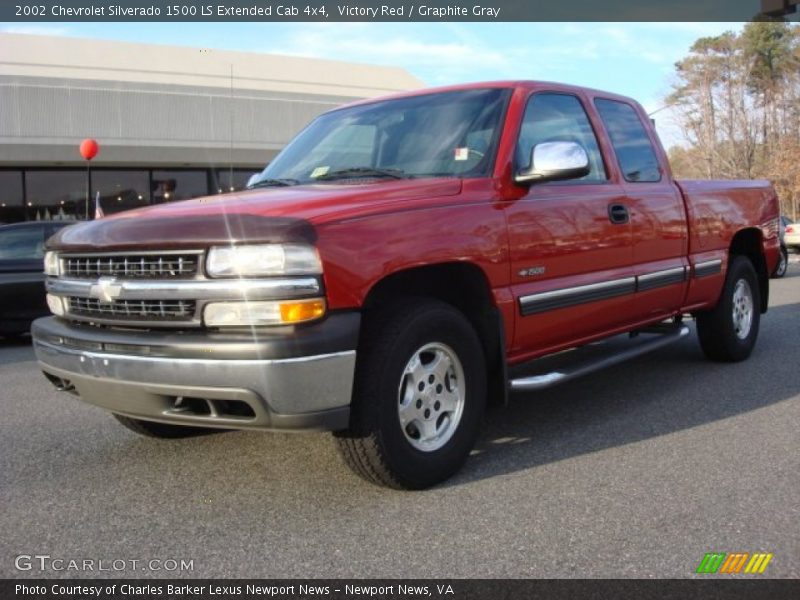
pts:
[163, 430]
[728, 332]
[419, 396]
[783, 263]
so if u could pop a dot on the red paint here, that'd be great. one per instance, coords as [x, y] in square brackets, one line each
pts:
[89, 149]
[367, 232]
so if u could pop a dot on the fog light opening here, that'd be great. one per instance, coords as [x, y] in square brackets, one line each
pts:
[192, 406]
[233, 408]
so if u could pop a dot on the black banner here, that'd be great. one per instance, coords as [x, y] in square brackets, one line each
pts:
[391, 10]
[455, 589]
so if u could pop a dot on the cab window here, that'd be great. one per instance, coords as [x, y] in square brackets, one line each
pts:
[635, 153]
[552, 117]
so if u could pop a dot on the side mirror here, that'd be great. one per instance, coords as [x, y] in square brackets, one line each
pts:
[554, 161]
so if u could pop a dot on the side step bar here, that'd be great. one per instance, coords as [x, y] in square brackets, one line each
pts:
[666, 336]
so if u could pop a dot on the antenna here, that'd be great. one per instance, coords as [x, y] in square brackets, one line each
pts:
[230, 149]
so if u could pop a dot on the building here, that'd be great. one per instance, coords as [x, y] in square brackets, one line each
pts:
[172, 122]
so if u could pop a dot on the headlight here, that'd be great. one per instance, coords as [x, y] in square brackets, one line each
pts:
[263, 260]
[244, 314]
[51, 264]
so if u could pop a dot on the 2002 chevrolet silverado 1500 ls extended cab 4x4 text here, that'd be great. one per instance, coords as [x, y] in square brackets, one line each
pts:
[394, 266]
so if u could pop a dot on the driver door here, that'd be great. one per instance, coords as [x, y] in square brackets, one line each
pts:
[571, 248]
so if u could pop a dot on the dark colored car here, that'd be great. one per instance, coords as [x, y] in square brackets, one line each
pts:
[22, 294]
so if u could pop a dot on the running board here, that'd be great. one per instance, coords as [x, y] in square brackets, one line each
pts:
[665, 337]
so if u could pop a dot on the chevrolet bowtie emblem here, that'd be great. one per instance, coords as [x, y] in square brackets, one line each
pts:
[106, 290]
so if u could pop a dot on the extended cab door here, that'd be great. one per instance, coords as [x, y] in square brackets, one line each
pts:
[657, 211]
[570, 242]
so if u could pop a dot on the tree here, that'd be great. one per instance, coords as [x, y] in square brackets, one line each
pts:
[736, 97]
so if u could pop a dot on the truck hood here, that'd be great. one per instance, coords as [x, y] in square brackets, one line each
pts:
[281, 214]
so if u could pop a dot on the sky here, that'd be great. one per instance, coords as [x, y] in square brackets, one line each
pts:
[634, 59]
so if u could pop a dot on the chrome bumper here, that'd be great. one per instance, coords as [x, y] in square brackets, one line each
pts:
[294, 393]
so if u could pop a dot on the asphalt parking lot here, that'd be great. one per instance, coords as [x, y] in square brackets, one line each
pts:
[634, 472]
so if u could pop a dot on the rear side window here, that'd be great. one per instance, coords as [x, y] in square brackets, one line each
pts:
[635, 153]
[551, 117]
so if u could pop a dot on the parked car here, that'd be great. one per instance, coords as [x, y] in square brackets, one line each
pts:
[783, 261]
[394, 261]
[791, 236]
[22, 293]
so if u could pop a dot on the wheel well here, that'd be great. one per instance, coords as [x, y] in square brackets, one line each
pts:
[463, 286]
[747, 242]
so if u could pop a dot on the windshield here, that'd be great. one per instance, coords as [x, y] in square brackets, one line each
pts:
[450, 134]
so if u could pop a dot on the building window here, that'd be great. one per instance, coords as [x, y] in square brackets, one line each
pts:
[121, 190]
[55, 195]
[179, 185]
[240, 177]
[11, 207]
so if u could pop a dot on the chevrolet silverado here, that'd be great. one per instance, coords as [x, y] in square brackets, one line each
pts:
[400, 262]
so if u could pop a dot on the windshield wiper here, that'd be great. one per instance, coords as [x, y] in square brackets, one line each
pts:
[362, 172]
[272, 183]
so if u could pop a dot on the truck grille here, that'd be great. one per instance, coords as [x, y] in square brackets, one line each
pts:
[133, 310]
[133, 266]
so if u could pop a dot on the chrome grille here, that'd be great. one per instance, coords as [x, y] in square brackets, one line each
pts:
[133, 310]
[163, 265]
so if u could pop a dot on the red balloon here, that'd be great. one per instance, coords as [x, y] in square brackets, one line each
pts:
[89, 148]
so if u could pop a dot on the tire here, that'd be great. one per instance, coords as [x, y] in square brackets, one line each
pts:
[442, 409]
[783, 264]
[728, 332]
[163, 430]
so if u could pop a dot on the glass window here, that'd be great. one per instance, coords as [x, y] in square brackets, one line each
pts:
[55, 195]
[554, 118]
[179, 185]
[22, 242]
[635, 153]
[11, 208]
[120, 190]
[434, 135]
[240, 178]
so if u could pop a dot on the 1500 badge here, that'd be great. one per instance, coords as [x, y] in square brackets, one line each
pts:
[531, 272]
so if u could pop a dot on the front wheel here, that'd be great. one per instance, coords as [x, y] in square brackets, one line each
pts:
[728, 332]
[419, 396]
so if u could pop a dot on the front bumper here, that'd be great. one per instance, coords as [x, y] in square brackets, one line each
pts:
[292, 380]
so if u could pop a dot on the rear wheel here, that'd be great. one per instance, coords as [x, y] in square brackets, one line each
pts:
[419, 396]
[163, 430]
[728, 332]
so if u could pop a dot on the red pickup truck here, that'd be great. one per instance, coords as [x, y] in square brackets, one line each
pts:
[399, 263]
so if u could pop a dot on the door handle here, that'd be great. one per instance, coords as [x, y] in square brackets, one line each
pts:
[618, 214]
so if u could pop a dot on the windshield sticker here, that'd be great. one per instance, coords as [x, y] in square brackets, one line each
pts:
[319, 172]
[462, 154]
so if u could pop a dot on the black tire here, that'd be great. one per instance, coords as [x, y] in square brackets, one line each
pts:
[783, 263]
[376, 446]
[716, 328]
[163, 430]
